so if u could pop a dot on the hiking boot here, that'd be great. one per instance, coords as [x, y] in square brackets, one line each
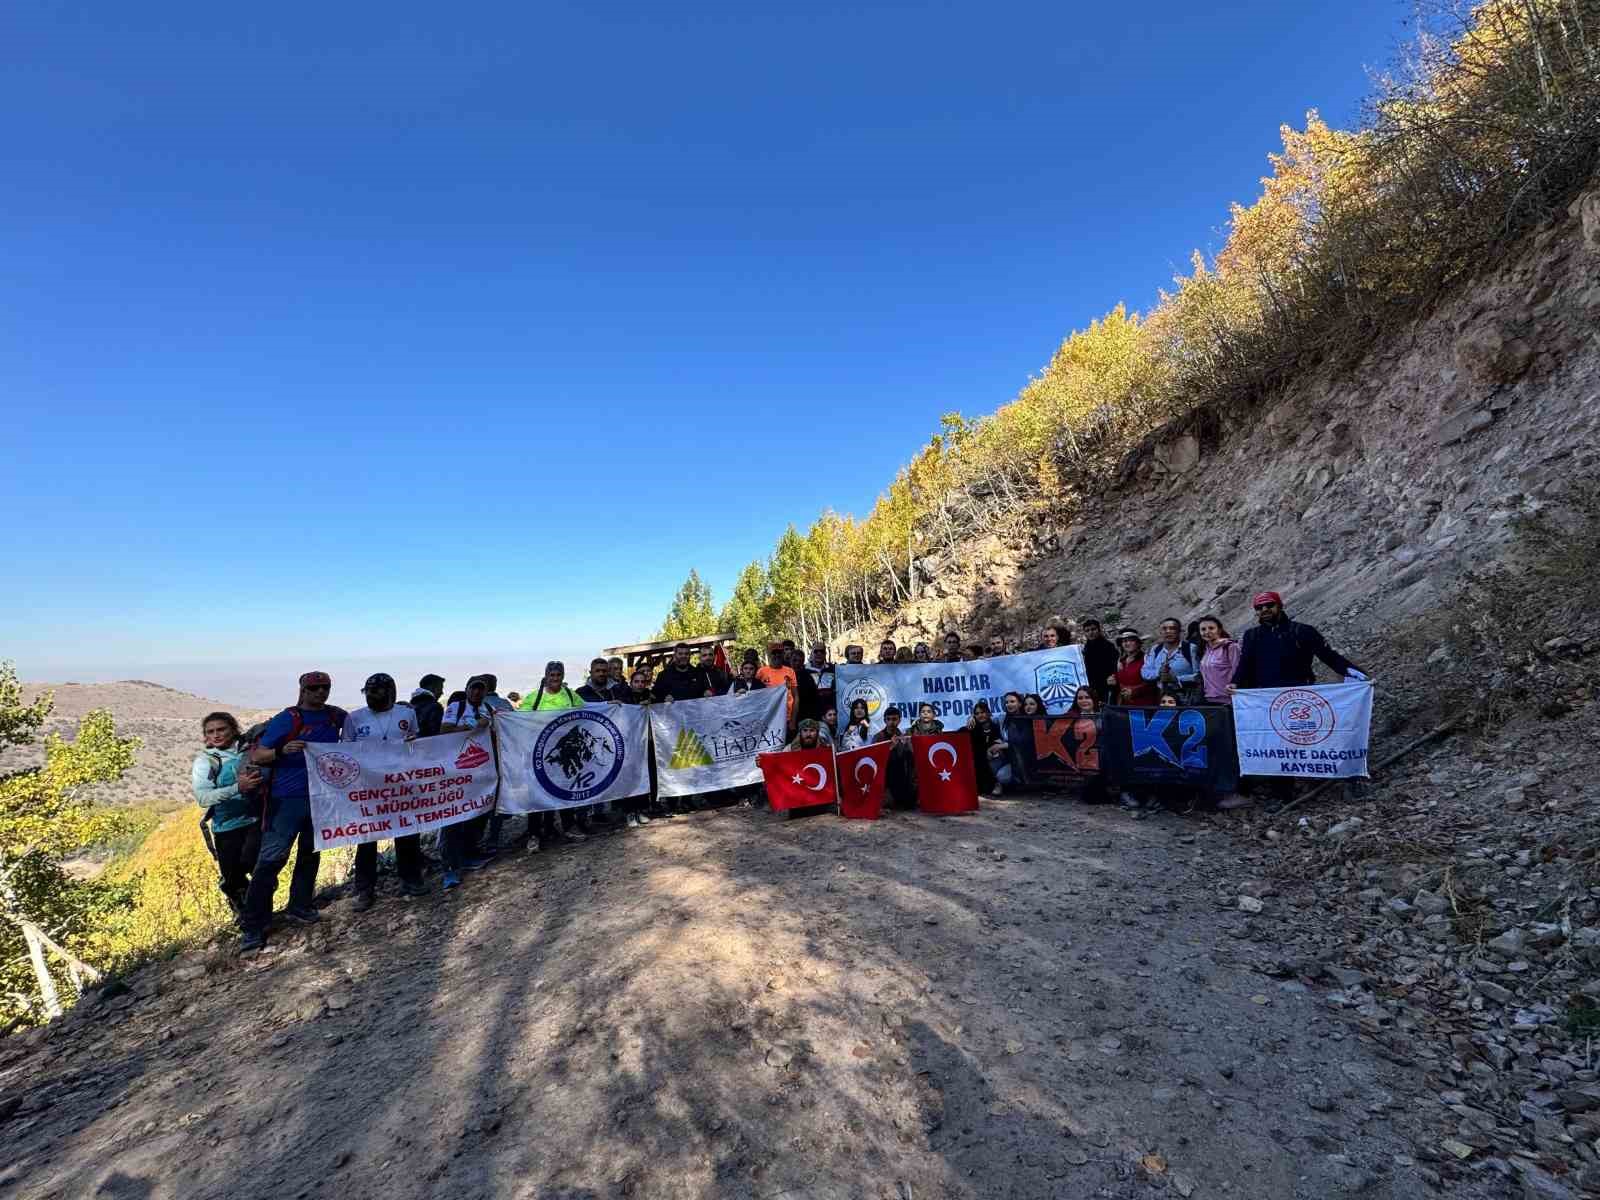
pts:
[531, 846]
[576, 835]
[413, 887]
[451, 880]
[1128, 800]
[363, 901]
[252, 941]
[476, 863]
[303, 915]
[641, 819]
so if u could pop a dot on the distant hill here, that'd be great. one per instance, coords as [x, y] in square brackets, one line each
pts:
[166, 720]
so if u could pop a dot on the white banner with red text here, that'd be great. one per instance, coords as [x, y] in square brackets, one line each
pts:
[1319, 731]
[370, 790]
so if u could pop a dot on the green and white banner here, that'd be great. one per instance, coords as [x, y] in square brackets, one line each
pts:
[711, 744]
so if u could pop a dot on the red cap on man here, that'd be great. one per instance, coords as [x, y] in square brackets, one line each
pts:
[1266, 598]
[315, 679]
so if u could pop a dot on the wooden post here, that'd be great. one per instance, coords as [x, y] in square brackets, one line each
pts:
[41, 972]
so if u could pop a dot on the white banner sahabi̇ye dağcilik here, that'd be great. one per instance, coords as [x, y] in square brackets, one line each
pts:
[1318, 731]
[953, 688]
[568, 757]
[711, 744]
[369, 790]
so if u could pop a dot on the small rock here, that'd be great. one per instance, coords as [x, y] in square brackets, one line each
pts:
[1182, 1184]
[1459, 1149]
[780, 1056]
[1320, 1103]
[1509, 944]
[1431, 904]
[189, 972]
[1250, 904]
[1346, 827]
[1493, 991]
[337, 1000]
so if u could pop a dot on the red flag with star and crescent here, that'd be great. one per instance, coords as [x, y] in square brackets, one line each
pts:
[945, 779]
[863, 774]
[798, 778]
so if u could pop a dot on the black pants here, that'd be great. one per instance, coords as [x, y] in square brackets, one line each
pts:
[407, 862]
[288, 827]
[236, 855]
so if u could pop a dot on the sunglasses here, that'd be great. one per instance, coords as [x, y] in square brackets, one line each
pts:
[318, 687]
[1265, 607]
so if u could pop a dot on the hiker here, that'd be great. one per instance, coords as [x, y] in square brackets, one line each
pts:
[639, 810]
[821, 669]
[805, 687]
[384, 720]
[459, 843]
[598, 688]
[1033, 705]
[952, 647]
[287, 824]
[1170, 663]
[617, 673]
[1219, 662]
[224, 783]
[830, 725]
[1128, 684]
[1278, 652]
[716, 677]
[886, 650]
[997, 646]
[1084, 707]
[492, 699]
[745, 680]
[901, 781]
[927, 720]
[991, 752]
[922, 653]
[854, 654]
[857, 731]
[903, 655]
[566, 824]
[1099, 658]
[425, 703]
[779, 672]
[680, 680]
[808, 736]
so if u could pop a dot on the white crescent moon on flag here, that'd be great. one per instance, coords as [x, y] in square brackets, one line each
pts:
[938, 746]
[870, 763]
[822, 776]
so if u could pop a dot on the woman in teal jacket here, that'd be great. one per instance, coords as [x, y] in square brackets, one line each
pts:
[225, 786]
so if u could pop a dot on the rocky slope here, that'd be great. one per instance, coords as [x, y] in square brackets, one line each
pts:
[1363, 491]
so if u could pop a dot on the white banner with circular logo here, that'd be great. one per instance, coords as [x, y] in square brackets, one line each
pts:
[953, 688]
[1319, 731]
[570, 757]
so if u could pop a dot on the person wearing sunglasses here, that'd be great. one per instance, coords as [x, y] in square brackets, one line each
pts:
[287, 825]
[1278, 652]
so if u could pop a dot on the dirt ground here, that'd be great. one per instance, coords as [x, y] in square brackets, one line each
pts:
[1038, 1000]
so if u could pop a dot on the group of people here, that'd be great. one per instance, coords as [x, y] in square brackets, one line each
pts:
[254, 787]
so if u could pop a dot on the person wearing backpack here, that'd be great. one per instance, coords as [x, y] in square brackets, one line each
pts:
[224, 785]
[286, 824]
[1172, 664]
[572, 824]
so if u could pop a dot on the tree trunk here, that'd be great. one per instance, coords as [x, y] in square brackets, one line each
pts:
[41, 972]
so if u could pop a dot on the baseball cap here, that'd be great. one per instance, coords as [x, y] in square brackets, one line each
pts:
[315, 679]
[377, 679]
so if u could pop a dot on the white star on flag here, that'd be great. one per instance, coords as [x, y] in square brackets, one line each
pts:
[945, 775]
[795, 779]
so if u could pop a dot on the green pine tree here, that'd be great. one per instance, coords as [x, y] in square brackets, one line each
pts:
[691, 614]
[689, 751]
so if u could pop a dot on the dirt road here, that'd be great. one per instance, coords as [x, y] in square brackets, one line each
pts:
[1039, 1000]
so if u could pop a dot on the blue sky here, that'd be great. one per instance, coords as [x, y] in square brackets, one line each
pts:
[361, 330]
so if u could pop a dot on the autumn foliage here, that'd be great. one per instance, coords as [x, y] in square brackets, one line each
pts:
[1491, 128]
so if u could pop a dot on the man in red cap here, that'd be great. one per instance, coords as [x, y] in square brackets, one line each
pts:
[281, 751]
[1277, 653]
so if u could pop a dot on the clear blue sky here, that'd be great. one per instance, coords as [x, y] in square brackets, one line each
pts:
[359, 329]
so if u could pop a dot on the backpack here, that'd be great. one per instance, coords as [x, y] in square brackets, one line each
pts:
[252, 739]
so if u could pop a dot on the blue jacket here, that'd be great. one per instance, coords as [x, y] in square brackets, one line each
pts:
[1280, 654]
[214, 778]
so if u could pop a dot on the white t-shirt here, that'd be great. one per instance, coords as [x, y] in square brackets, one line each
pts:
[465, 714]
[394, 724]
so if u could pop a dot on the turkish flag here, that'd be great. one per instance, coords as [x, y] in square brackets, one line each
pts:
[798, 778]
[945, 779]
[863, 774]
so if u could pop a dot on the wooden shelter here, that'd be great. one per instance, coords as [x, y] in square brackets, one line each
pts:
[655, 654]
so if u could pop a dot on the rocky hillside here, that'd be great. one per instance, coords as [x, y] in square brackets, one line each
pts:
[1361, 493]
